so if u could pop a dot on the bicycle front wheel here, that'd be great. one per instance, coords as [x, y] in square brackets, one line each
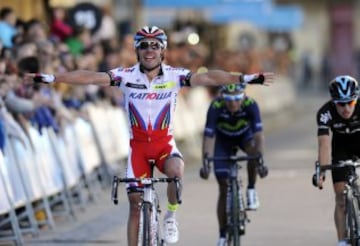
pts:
[234, 225]
[145, 229]
[352, 219]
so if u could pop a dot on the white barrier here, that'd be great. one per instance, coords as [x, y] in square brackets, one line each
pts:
[184, 125]
[4, 201]
[198, 101]
[89, 152]
[50, 172]
[24, 157]
[119, 129]
[13, 180]
[7, 209]
[69, 154]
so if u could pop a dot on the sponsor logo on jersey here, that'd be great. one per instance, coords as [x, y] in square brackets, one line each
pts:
[136, 86]
[339, 125]
[128, 70]
[150, 96]
[174, 69]
[167, 85]
[325, 117]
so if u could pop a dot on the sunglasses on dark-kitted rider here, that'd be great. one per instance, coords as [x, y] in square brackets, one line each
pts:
[237, 97]
[343, 104]
[152, 45]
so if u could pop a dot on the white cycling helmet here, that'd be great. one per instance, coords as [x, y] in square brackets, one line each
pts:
[150, 32]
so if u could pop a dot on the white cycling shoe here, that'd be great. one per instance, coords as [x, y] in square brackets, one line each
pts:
[221, 242]
[342, 243]
[252, 199]
[171, 232]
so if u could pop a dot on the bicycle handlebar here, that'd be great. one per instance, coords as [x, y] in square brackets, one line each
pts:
[233, 158]
[144, 181]
[340, 164]
[322, 168]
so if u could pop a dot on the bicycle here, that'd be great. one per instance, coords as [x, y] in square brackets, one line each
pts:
[149, 223]
[351, 195]
[236, 216]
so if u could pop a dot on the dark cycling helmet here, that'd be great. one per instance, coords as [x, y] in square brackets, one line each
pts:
[231, 88]
[150, 32]
[343, 88]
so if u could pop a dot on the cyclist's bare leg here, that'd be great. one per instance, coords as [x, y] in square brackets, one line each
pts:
[134, 215]
[174, 167]
[250, 149]
[221, 206]
[339, 214]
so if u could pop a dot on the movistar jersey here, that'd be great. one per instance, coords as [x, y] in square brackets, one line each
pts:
[150, 104]
[222, 123]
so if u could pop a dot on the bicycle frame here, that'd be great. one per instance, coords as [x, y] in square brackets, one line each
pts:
[235, 208]
[149, 233]
[351, 196]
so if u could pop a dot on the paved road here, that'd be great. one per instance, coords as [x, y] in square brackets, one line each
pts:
[292, 212]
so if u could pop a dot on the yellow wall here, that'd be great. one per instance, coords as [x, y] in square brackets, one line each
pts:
[25, 9]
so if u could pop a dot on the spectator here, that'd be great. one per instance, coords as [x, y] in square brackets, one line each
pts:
[60, 30]
[7, 26]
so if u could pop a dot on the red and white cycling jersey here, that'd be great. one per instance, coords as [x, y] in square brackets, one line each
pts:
[150, 106]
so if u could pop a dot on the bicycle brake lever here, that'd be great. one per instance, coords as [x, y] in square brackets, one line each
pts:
[114, 190]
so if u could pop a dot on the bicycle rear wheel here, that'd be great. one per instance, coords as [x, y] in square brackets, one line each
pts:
[352, 219]
[233, 237]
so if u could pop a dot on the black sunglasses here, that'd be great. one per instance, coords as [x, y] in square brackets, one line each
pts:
[151, 45]
[343, 104]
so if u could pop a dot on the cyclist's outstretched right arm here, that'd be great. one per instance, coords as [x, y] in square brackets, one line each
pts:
[78, 77]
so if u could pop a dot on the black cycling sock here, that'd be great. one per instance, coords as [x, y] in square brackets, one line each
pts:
[223, 232]
[251, 186]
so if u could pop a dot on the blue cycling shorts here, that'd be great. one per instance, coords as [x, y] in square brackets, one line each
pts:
[224, 146]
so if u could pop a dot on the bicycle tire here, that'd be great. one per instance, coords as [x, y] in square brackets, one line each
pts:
[146, 230]
[234, 229]
[352, 219]
[155, 222]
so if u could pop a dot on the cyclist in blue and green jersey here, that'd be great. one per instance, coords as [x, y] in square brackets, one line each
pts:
[233, 121]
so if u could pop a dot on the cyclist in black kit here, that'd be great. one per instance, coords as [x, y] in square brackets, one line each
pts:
[341, 116]
[233, 121]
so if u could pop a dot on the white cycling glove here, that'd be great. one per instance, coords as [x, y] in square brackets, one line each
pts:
[254, 78]
[44, 78]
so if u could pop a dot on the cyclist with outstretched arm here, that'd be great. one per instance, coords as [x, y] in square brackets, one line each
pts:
[341, 117]
[150, 88]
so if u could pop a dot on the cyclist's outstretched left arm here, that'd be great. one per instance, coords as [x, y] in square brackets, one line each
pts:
[220, 77]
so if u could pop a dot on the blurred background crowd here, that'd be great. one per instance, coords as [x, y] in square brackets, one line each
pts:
[297, 39]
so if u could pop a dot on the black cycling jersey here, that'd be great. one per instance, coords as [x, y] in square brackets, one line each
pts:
[345, 134]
